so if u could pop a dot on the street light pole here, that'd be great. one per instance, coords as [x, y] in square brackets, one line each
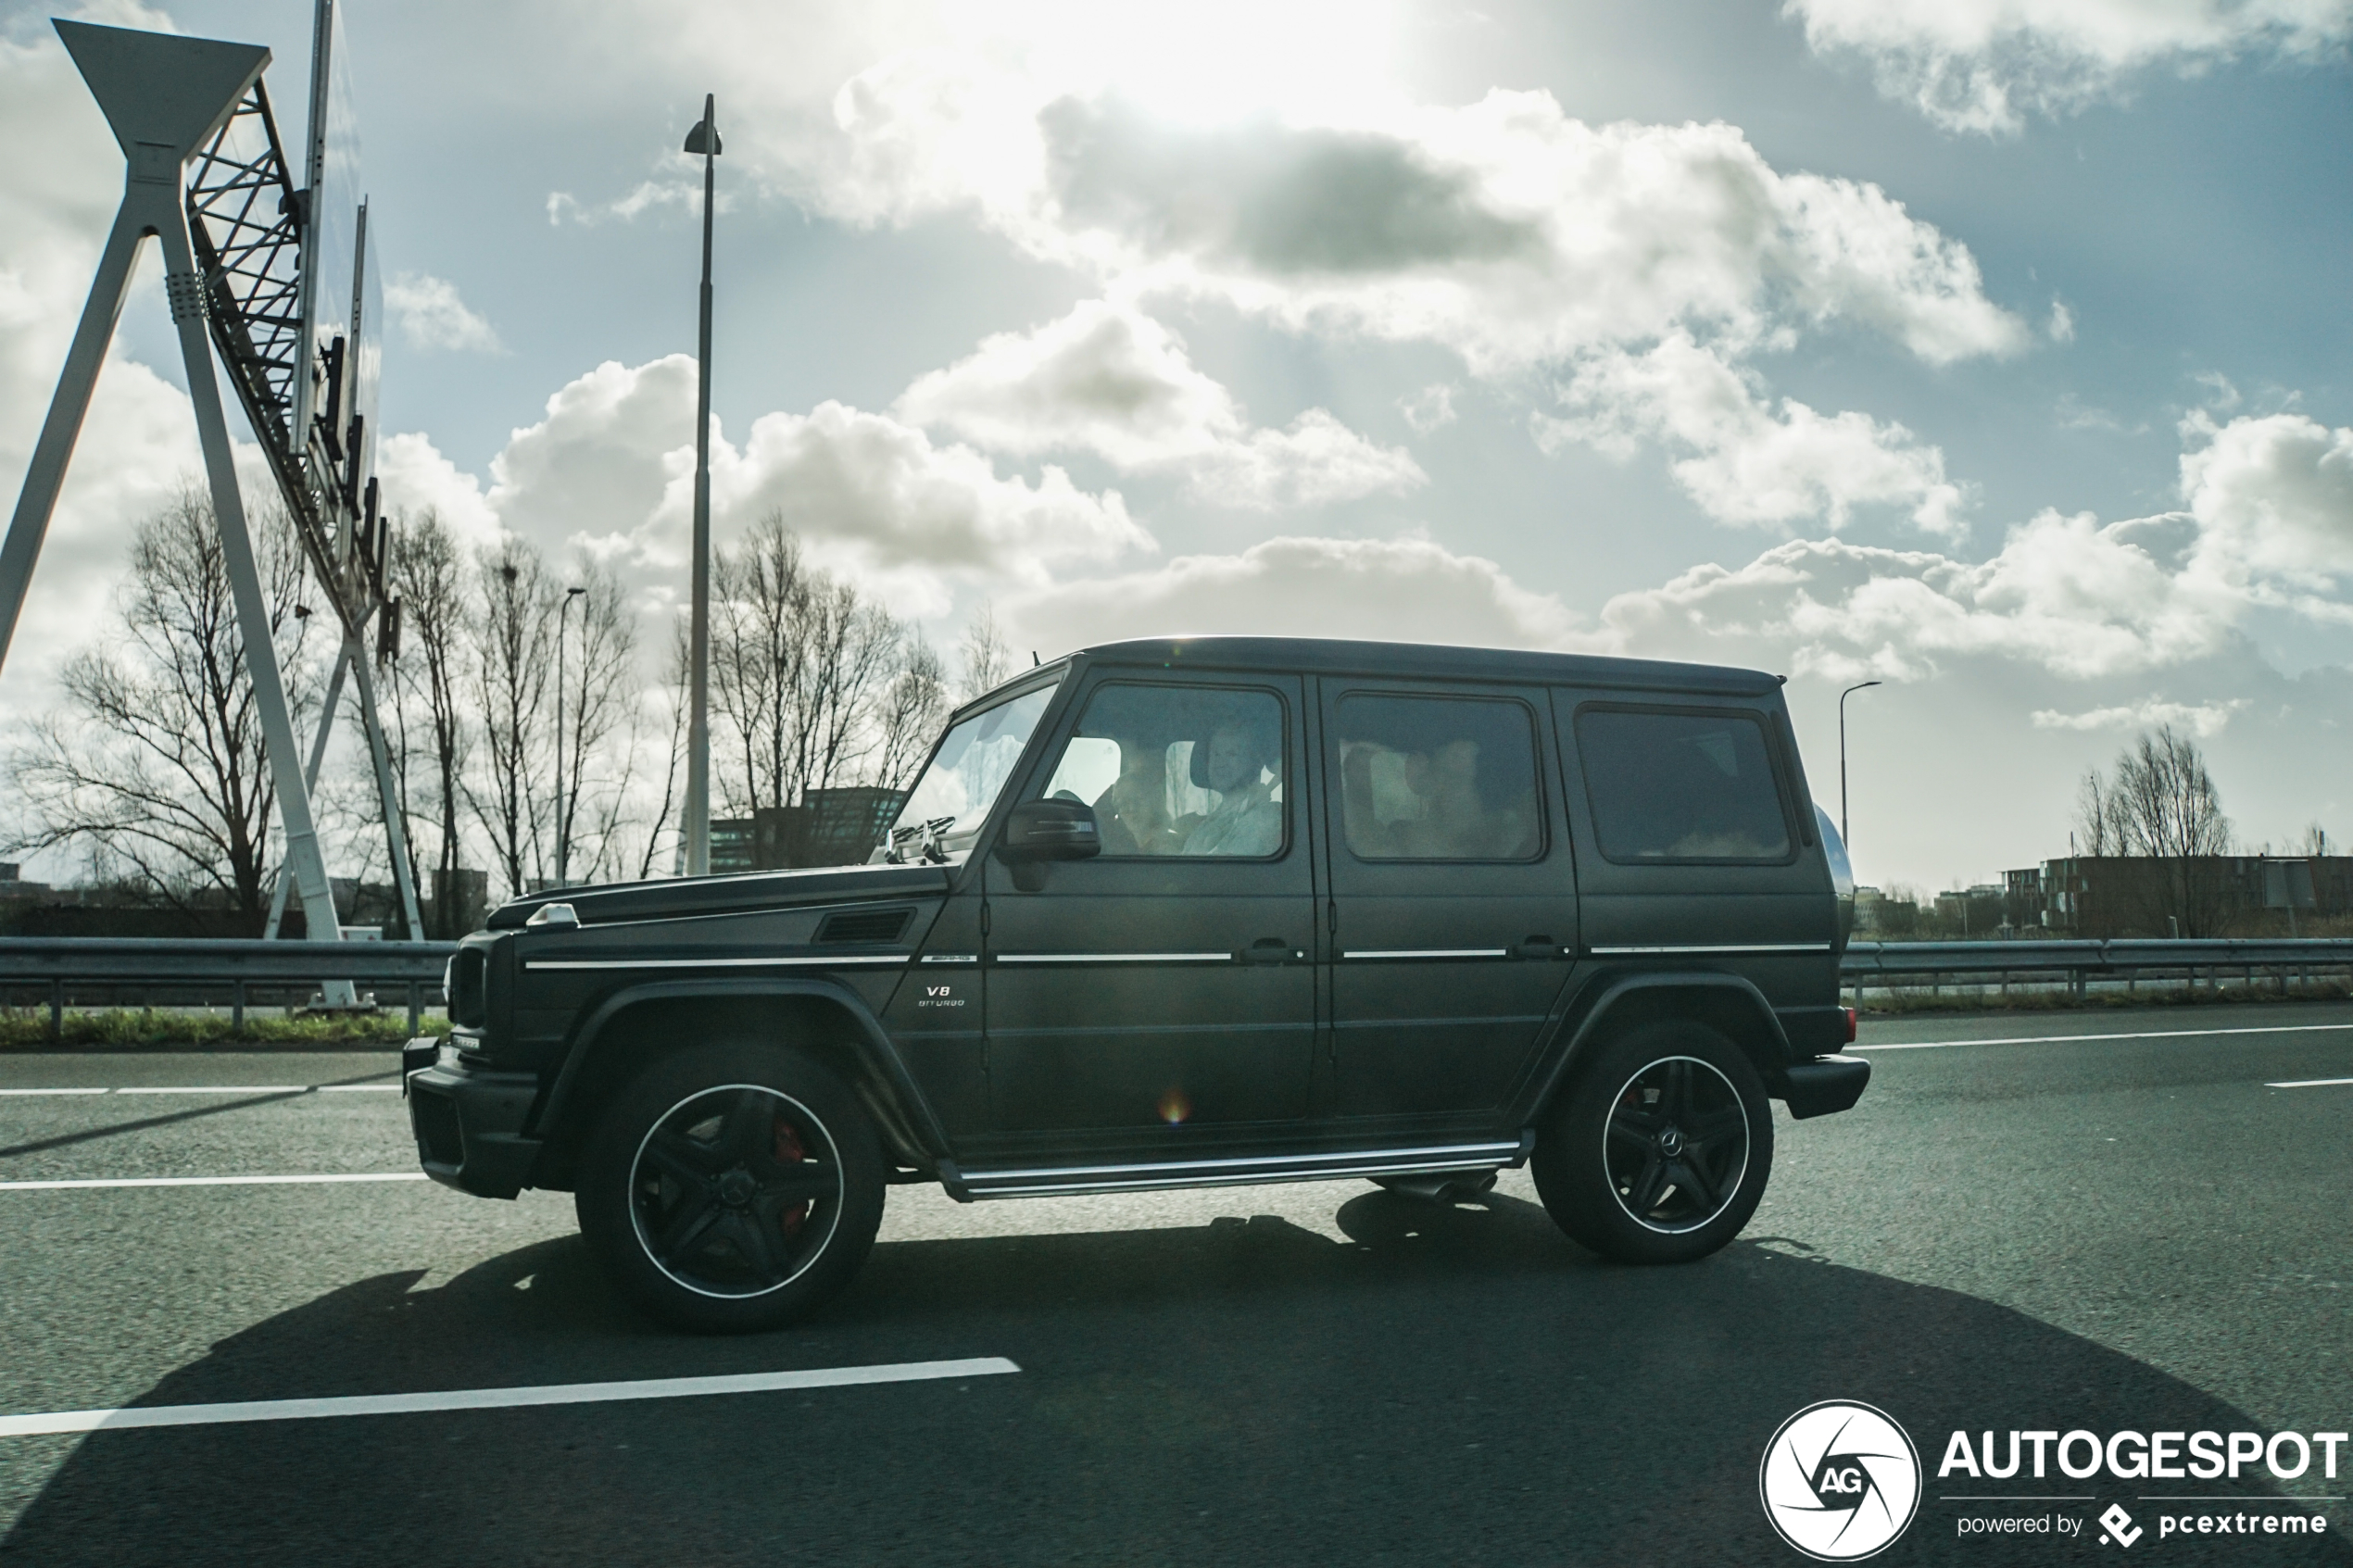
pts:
[703, 139]
[563, 820]
[1843, 836]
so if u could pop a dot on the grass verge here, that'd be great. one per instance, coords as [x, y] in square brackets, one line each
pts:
[27, 1029]
[1878, 1001]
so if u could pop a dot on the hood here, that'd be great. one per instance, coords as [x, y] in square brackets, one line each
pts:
[724, 894]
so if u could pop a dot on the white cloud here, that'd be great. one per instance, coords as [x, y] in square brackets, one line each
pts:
[418, 479]
[610, 468]
[1109, 380]
[675, 189]
[1430, 408]
[2062, 323]
[432, 315]
[1518, 237]
[1986, 65]
[1502, 229]
[2204, 719]
[1398, 590]
[2273, 498]
[1752, 463]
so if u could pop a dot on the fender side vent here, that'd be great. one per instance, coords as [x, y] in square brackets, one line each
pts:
[864, 926]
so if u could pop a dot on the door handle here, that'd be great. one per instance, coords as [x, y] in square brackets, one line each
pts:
[1539, 947]
[1270, 949]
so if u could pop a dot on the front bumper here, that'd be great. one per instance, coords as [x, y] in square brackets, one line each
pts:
[1819, 1087]
[469, 1127]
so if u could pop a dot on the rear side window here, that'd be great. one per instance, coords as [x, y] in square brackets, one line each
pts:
[1438, 779]
[1680, 786]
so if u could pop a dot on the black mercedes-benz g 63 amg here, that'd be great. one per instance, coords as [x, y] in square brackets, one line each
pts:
[1189, 913]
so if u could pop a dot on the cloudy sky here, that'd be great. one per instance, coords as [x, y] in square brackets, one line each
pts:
[1995, 349]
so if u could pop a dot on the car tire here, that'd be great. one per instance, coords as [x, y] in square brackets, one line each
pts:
[1660, 1147]
[731, 1187]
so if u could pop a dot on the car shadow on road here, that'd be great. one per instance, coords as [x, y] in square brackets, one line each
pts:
[1456, 1386]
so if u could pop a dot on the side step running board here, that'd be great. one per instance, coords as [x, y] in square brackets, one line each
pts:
[1373, 1163]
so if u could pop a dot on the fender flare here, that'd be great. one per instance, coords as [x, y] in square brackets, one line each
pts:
[873, 1042]
[1568, 1059]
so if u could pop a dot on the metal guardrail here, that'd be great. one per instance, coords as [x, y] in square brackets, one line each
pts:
[1890, 964]
[203, 965]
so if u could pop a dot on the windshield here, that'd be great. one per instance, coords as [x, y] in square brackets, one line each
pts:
[953, 796]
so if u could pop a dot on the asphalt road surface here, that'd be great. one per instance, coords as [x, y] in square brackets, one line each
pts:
[2130, 1231]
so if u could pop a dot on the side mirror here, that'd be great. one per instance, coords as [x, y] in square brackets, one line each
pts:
[1049, 830]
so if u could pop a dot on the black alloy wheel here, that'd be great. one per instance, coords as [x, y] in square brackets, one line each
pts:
[735, 1192]
[1659, 1150]
[731, 1187]
[1677, 1145]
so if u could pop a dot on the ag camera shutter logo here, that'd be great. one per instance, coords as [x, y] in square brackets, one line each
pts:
[1840, 1481]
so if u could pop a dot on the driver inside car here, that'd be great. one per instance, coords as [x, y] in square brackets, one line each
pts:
[1243, 766]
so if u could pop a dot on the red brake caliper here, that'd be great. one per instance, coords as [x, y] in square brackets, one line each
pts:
[789, 1151]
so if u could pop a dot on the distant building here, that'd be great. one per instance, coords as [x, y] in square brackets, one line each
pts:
[2147, 895]
[830, 827]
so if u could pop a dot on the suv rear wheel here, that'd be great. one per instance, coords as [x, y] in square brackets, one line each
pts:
[731, 1187]
[1659, 1151]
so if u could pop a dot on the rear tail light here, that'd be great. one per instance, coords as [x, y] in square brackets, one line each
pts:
[1850, 1025]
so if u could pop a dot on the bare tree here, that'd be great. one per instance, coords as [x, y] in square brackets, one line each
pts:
[602, 705]
[677, 684]
[798, 663]
[158, 763]
[2162, 806]
[984, 658]
[2094, 815]
[512, 654]
[431, 580]
[2316, 842]
[909, 715]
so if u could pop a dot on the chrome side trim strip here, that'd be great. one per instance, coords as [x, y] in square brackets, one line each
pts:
[949, 957]
[1315, 1174]
[1467, 1153]
[1719, 947]
[1429, 953]
[795, 962]
[1114, 957]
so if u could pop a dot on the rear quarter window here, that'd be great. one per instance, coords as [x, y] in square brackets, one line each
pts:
[1669, 787]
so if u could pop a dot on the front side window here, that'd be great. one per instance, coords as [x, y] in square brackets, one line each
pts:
[967, 773]
[1438, 779]
[1682, 786]
[1187, 770]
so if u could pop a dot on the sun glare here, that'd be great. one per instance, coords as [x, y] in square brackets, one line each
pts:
[1207, 61]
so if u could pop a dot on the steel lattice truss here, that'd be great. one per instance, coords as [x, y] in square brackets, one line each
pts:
[245, 218]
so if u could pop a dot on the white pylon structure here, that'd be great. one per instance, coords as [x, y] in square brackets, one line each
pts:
[235, 238]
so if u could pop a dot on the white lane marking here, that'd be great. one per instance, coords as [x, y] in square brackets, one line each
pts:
[208, 1181]
[2309, 1083]
[2056, 1039]
[497, 1399]
[223, 1089]
[228, 1090]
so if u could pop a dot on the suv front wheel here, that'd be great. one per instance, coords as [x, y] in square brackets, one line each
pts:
[1659, 1150]
[731, 1187]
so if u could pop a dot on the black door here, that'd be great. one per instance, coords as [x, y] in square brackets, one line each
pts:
[1169, 981]
[1453, 897]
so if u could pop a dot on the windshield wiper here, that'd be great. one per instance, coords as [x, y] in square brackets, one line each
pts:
[924, 836]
